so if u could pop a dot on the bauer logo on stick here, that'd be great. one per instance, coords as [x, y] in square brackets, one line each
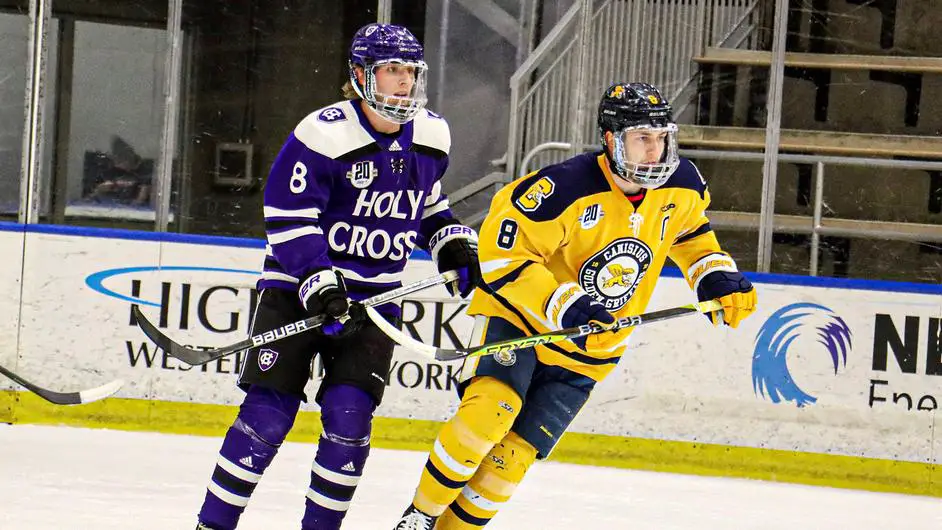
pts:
[279, 333]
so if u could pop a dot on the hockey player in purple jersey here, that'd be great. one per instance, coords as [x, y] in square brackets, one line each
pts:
[354, 189]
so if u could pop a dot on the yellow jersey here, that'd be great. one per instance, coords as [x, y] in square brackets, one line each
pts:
[569, 222]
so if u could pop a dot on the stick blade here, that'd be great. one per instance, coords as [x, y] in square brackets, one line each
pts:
[104, 391]
[190, 356]
[401, 338]
[165, 343]
[65, 398]
[162, 341]
[77, 398]
[450, 355]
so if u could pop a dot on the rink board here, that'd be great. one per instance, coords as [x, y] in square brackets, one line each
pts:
[864, 361]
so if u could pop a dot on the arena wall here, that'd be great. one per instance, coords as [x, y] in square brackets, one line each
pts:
[831, 382]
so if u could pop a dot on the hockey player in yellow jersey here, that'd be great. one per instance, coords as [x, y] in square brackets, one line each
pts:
[576, 242]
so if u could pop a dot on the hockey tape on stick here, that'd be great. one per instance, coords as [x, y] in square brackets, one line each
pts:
[195, 357]
[505, 346]
[66, 398]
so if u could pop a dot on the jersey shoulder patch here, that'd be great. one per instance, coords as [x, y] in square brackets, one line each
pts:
[687, 176]
[333, 131]
[546, 194]
[431, 132]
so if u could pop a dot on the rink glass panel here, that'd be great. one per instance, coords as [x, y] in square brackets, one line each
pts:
[105, 172]
[250, 72]
[14, 43]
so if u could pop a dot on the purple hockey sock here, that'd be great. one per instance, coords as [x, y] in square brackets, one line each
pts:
[264, 420]
[346, 414]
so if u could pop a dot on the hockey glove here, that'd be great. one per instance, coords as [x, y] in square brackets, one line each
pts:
[324, 293]
[570, 306]
[455, 247]
[734, 291]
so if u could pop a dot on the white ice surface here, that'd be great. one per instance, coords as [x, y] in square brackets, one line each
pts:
[65, 478]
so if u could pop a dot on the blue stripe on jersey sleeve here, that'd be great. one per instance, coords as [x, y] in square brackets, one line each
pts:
[704, 228]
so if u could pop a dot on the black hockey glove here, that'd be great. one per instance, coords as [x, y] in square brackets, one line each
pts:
[455, 247]
[324, 293]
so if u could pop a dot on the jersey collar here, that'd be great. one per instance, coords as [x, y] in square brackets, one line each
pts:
[602, 160]
[402, 139]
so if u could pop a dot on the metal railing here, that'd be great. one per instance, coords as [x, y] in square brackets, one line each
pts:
[626, 40]
[816, 225]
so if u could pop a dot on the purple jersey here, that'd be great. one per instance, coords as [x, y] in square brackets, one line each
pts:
[341, 195]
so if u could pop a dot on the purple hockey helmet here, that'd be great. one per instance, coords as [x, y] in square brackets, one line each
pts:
[378, 45]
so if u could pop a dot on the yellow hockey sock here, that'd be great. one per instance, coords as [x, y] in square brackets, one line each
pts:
[491, 486]
[484, 417]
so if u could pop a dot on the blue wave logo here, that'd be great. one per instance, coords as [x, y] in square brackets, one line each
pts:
[96, 281]
[770, 376]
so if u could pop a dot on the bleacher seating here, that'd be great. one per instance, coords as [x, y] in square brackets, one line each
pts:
[852, 88]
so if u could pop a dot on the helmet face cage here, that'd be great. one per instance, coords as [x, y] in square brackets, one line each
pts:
[397, 109]
[647, 175]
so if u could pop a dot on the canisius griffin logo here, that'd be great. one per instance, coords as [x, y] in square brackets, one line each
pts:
[612, 275]
[770, 374]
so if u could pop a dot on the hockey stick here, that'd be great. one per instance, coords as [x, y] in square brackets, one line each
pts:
[66, 398]
[199, 357]
[506, 346]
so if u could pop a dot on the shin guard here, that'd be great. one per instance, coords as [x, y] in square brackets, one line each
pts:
[264, 420]
[346, 414]
[495, 481]
[484, 417]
